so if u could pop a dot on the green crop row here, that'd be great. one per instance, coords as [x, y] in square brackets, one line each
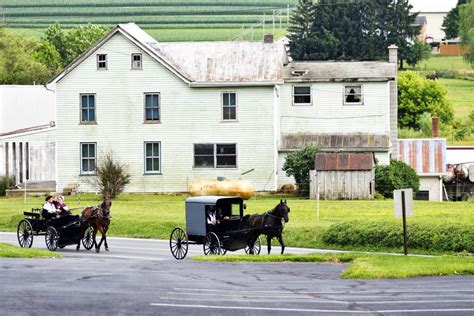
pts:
[147, 3]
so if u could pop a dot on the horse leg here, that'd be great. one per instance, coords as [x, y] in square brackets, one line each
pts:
[105, 239]
[81, 235]
[280, 240]
[94, 236]
[269, 244]
[101, 240]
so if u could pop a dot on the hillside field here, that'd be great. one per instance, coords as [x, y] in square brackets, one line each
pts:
[166, 20]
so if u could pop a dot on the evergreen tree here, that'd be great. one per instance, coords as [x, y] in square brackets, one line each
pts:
[451, 21]
[300, 29]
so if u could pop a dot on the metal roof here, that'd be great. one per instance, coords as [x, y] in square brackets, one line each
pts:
[356, 141]
[309, 71]
[209, 199]
[425, 156]
[344, 161]
[222, 62]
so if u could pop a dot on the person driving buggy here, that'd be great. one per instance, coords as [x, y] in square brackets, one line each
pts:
[61, 206]
[49, 210]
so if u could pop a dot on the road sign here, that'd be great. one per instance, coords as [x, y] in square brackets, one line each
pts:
[397, 199]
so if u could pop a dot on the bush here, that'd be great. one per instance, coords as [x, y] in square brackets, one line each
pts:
[3, 185]
[446, 237]
[397, 175]
[298, 164]
[112, 177]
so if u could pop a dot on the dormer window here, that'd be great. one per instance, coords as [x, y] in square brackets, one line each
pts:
[102, 61]
[136, 61]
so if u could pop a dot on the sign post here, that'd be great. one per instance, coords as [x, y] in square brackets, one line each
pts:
[403, 200]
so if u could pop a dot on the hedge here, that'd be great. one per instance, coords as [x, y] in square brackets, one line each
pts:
[385, 234]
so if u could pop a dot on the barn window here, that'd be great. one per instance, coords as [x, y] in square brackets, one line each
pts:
[229, 106]
[302, 95]
[88, 158]
[226, 156]
[136, 61]
[152, 157]
[88, 108]
[215, 155]
[102, 61]
[152, 107]
[353, 94]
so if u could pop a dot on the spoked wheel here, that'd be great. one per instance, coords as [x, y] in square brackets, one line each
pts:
[178, 243]
[52, 238]
[257, 247]
[223, 251]
[24, 234]
[88, 240]
[212, 245]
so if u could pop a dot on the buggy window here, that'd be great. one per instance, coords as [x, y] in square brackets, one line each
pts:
[235, 209]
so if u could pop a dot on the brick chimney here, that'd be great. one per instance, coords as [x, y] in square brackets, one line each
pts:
[435, 128]
[393, 59]
[393, 54]
[268, 38]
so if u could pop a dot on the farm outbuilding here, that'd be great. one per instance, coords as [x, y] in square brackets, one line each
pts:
[343, 176]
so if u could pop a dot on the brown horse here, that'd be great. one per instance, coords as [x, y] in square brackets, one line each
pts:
[269, 224]
[99, 218]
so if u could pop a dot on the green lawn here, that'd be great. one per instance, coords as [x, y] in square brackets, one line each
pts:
[365, 266]
[154, 216]
[460, 95]
[444, 63]
[9, 251]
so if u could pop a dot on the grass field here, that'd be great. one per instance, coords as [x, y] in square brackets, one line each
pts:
[373, 266]
[154, 216]
[444, 63]
[167, 20]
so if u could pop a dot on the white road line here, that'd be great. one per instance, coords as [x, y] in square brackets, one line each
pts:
[239, 296]
[361, 292]
[307, 310]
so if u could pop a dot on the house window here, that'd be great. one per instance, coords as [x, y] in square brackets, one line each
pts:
[215, 155]
[87, 108]
[302, 95]
[353, 95]
[101, 61]
[152, 157]
[136, 61]
[88, 158]
[152, 107]
[229, 106]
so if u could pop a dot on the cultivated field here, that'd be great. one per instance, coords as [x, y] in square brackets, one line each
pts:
[179, 19]
[154, 216]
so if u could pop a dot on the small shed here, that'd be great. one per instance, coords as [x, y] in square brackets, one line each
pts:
[343, 176]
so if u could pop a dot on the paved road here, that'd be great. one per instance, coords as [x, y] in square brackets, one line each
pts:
[140, 276]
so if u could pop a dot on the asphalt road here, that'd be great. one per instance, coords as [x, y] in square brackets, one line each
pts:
[140, 277]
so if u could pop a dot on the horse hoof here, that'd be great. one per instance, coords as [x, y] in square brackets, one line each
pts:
[106, 249]
[97, 250]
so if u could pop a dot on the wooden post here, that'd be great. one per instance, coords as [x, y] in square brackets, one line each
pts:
[14, 163]
[7, 165]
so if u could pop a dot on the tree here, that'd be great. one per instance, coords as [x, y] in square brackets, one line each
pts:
[112, 176]
[417, 95]
[417, 52]
[20, 60]
[466, 29]
[298, 164]
[451, 21]
[74, 42]
[350, 30]
[397, 175]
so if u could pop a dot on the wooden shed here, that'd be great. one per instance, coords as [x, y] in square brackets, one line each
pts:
[343, 176]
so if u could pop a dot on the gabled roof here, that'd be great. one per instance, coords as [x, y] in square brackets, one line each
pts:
[310, 71]
[203, 63]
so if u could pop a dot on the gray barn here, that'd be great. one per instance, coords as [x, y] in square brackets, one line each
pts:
[343, 176]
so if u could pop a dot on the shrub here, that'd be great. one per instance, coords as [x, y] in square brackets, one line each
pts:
[298, 164]
[112, 177]
[384, 234]
[397, 175]
[3, 185]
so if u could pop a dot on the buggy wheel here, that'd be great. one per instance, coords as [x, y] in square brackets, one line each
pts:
[24, 234]
[52, 238]
[257, 247]
[223, 251]
[178, 243]
[88, 240]
[212, 245]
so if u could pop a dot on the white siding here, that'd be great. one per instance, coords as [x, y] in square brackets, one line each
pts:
[328, 114]
[189, 115]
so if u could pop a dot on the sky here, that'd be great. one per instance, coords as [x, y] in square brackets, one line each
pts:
[433, 5]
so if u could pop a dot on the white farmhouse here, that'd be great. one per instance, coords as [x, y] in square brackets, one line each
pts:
[174, 112]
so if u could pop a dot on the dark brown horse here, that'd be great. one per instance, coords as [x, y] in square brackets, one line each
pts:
[269, 224]
[99, 218]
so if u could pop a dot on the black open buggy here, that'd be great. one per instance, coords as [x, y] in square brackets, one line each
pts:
[58, 232]
[228, 235]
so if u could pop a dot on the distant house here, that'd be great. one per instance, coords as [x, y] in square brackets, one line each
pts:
[422, 23]
[175, 112]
